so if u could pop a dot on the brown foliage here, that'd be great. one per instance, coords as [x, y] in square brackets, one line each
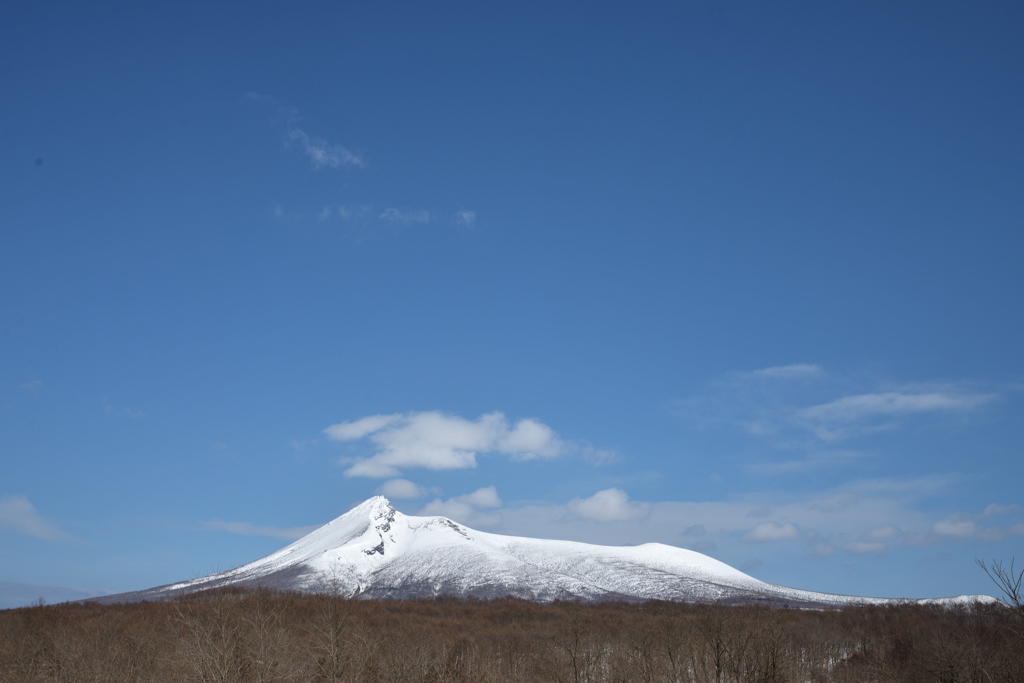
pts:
[263, 637]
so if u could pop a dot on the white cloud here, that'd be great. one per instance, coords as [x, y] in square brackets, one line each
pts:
[891, 403]
[530, 439]
[17, 514]
[482, 498]
[321, 153]
[971, 527]
[784, 372]
[865, 547]
[451, 508]
[876, 541]
[609, 505]
[405, 217]
[34, 385]
[348, 431]
[782, 404]
[860, 518]
[467, 508]
[962, 528]
[247, 529]
[772, 531]
[442, 442]
[465, 217]
[996, 509]
[400, 489]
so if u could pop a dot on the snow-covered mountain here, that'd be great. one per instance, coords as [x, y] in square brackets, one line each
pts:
[374, 551]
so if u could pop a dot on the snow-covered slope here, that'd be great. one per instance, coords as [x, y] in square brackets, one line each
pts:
[374, 551]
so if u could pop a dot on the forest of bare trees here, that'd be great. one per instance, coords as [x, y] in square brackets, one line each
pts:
[262, 636]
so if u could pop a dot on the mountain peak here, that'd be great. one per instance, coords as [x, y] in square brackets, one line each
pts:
[376, 508]
[374, 551]
[373, 510]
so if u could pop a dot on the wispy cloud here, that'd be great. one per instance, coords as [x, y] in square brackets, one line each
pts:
[838, 418]
[852, 408]
[33, 386]
[438, 441]
[974, 527]
[122, 412]
[19, 515]
[321, 153]
[913, 487]
[465, 218]
[802, 401]
[345, 213]
[794, 371]
[247, 529]
[814, 460]
[405, 217]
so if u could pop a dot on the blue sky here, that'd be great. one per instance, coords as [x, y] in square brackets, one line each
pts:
[737, 277]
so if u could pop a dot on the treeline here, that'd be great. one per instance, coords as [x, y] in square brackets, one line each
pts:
[262, 636]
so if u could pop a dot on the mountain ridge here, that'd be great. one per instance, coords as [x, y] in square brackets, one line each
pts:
[375, 552]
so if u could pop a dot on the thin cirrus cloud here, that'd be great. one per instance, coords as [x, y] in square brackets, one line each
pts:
[405, 217]
[802, 399]
[17, 514]
[436, 441]
[793, 371]
[850, 408]
[321, 153]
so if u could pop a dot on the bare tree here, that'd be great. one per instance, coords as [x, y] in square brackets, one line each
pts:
[210, 644]
[576, 643]
[716, 629]
[1009, 581]
[264, 636]
[329, 639]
